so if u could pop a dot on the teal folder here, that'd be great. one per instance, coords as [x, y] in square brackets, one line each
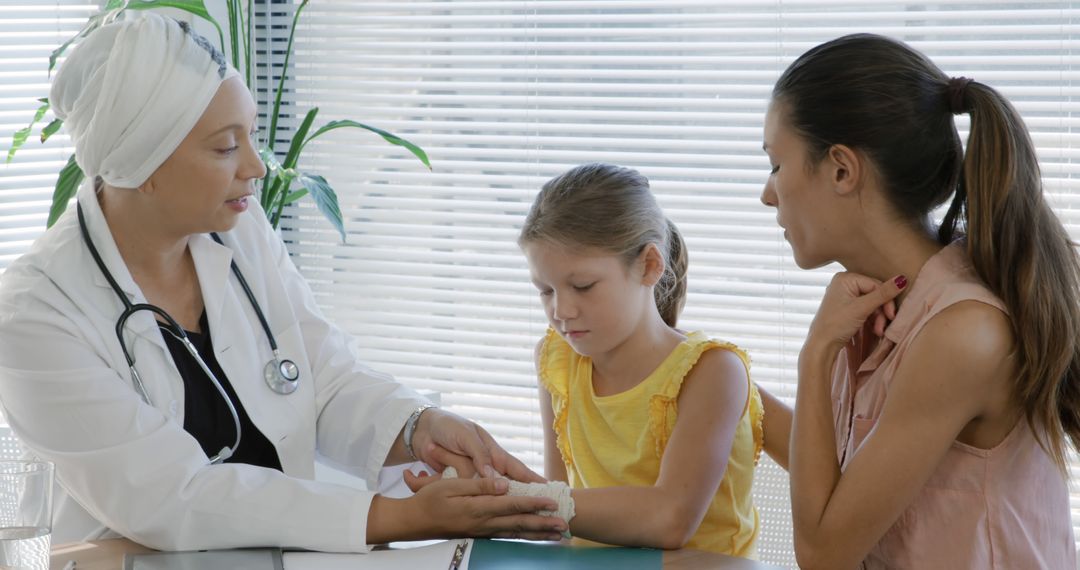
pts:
[511, 555]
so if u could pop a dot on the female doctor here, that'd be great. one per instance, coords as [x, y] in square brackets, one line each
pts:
[158, 345]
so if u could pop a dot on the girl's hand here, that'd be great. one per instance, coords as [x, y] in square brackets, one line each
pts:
[418, 481]
[481, 508]
[852, 302]
[441, 435]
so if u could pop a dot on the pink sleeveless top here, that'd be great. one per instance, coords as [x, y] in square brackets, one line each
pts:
[1001, 508]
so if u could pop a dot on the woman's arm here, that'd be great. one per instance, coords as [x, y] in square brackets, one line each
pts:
[461, 507]
[777, 427]
[958, 363]
[135, 469]
[666, 515]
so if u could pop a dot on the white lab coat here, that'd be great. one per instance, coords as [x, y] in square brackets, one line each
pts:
[126, 467]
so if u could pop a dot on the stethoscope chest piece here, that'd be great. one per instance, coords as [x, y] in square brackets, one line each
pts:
[282, 376]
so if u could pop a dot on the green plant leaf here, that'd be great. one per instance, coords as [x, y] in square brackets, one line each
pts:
[246, 25]
[114, 7]
[234, 46]
[274, 206]
[196, 7]
[66, 186]
[386, 135]
[17, 140]
[270, 160]
[272, 134]
[273, 172]
[295, 195]
[279, 189]
[325, 199]
[277, 181]
[50, 129]
[93, 23]
[20, 136]
[298, 139]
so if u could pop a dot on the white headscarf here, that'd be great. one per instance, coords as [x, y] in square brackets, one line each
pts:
[131, 91]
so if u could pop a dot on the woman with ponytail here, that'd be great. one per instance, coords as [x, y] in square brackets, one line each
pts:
[655, 429]
[939, 384]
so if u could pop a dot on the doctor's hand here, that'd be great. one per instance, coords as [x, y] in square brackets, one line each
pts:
[445, 439]
[462, 507]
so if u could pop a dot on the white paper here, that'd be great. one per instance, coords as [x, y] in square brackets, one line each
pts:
[435, 556]
[232, 559]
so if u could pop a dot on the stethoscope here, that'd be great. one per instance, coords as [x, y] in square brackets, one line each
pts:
[281, 375]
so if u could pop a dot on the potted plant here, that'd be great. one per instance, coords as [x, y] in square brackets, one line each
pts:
[284, 182]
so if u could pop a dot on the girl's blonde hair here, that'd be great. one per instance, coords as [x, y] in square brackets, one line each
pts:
[610, 208]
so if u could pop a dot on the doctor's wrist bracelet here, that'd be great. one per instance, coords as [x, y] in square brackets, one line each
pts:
[410, 429]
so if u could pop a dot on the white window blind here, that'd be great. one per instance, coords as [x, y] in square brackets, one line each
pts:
[29, 32]
[505, 94]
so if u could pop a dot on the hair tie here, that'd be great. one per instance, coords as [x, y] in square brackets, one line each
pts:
[955, 92]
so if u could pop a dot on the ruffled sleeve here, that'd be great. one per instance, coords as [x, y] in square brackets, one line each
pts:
[757, 419]
[553, 371]
[663, 405]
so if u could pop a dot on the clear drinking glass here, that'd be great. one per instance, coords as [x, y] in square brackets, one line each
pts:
[25, 514]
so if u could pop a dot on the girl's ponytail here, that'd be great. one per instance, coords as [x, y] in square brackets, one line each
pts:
[670, 292]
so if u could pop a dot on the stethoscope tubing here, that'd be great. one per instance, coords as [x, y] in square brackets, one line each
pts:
[287, 386]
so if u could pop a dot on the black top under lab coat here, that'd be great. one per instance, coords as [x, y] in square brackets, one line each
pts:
[206, 416]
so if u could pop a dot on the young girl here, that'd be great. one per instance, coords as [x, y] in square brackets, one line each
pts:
[939, 441]
[656, 430]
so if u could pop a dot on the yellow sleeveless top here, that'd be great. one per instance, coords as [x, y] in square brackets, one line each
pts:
[615, 440]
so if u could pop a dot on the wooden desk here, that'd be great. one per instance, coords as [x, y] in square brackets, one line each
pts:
[109, 555]
[96, 555]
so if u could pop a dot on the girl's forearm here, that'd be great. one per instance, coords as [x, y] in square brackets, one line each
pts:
[634, 516]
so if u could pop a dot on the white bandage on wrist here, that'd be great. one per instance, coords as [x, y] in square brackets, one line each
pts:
[556, 490]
